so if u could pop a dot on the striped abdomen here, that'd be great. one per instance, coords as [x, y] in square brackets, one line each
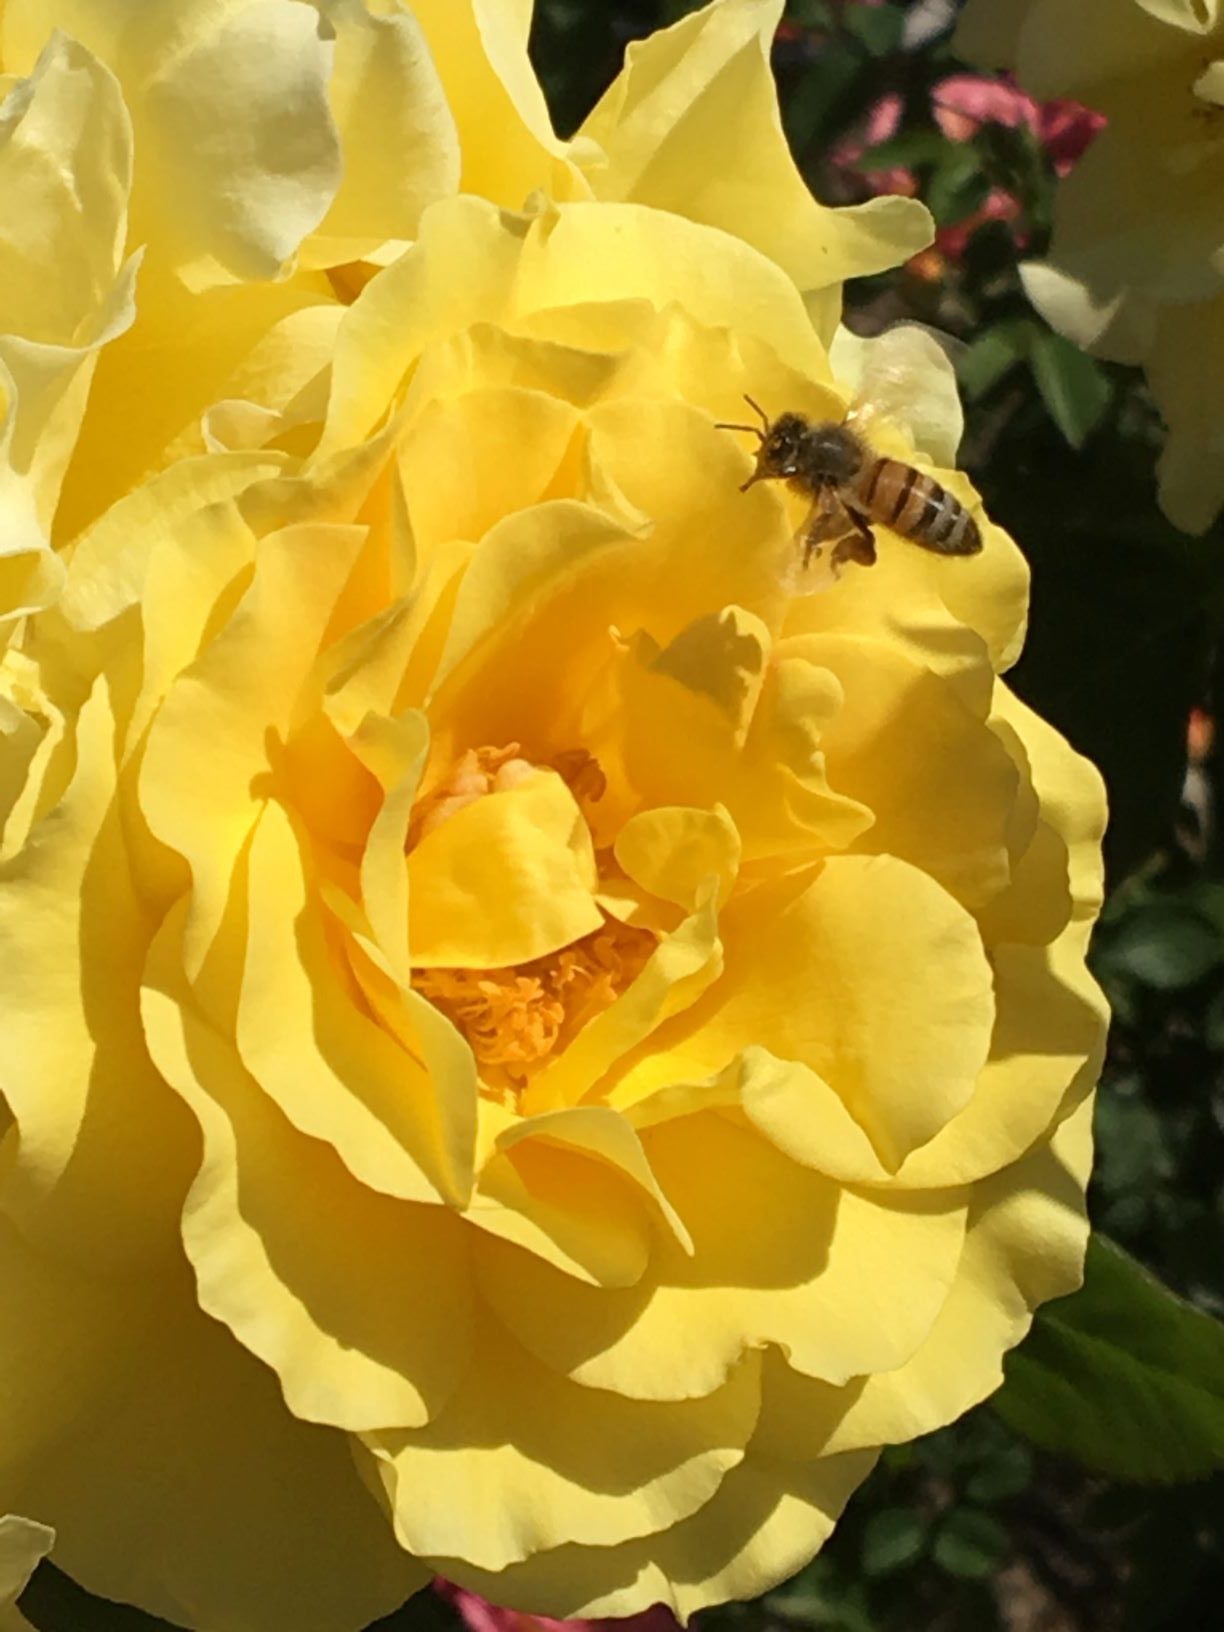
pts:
[916, 506]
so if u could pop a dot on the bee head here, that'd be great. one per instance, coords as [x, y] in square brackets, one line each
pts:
[792, 445]
[781, 446]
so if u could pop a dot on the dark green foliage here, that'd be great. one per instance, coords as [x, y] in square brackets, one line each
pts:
[1119, 639]
[1075, 389]
[1122, 1376]
[970, 1544]
[893, 1538]
[54, 1603]
[876, 28]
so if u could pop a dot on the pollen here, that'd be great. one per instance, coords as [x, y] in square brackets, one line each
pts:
[516, 1020]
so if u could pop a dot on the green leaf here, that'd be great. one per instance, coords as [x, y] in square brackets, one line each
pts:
[910, 148]
[819, 1596]
[818, 104]
[1132, 1149]
[994, 354]
[1016, 159]
[1123, 1375]
[1208, 899]
[1167, 945]
[893, 1538]
[1007, 1472]
[970, 1544]
[1074, 388]
[812, 13]
[877, 28]
[957, 188]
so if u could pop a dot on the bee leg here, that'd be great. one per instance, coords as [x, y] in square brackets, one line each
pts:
[812, 545]
[821, 524]
[864, 541]
[857, 545]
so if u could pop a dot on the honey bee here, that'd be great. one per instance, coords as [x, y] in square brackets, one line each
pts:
[850, 487]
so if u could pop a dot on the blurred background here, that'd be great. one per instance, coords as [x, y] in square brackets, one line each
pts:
[977, 1529]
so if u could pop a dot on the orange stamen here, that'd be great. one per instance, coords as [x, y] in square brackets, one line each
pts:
[517, 1019]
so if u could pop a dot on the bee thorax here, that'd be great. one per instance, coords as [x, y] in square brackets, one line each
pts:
[830, 453]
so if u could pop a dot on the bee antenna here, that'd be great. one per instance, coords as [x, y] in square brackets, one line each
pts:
[757, 409]
[758, 431]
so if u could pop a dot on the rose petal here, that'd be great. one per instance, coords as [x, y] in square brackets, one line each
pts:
[524, 1460]
[156, 1445]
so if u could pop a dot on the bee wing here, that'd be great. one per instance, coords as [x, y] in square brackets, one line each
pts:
[823, 542]
[904, 378]
[804, 566]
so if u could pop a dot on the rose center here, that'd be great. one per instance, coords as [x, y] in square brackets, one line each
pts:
[494, 770]
[517, 1019]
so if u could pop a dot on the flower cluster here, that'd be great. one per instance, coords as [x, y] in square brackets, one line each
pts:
[961, 104]
[1136, 267]
[532, 1049]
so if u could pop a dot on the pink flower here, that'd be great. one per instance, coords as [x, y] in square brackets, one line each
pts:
[883, 120]
[1065, 129]
[953, 240]
[881, 124]
[479, 1615]
[896, 180]
[963, 103]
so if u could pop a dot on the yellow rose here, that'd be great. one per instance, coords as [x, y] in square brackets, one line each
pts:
[1136, 265]
[532, 1051]
[193, 193]
[22, 1544]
